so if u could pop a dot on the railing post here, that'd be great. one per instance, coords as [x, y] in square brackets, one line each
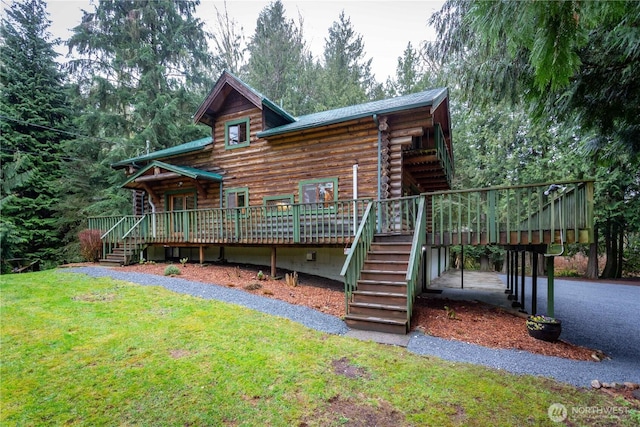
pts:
[550, 286]
[295, 209]
[491, 216]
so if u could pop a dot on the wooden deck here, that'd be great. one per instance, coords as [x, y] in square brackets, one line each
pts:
[523, 215]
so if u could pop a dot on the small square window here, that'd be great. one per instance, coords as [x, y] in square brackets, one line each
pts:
[236, 133]
[278, 205]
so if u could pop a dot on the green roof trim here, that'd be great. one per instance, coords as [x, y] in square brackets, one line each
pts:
[187, 171]
[253, 95]
[432, 97]
[187, 147]
[263, 99]
[266, 101]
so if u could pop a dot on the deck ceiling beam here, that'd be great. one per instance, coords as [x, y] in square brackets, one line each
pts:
[157, 177]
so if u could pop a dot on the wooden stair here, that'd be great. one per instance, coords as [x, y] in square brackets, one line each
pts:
[119, 256]
[380, 301]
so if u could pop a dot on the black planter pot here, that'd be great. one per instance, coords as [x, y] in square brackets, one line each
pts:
[545, 329]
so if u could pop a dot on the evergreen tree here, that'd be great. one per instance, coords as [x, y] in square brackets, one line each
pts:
[347, 77]
[144, 67]
[140, 70]
[32, 106]
[280, 65]
[566, 60]
[410, 74]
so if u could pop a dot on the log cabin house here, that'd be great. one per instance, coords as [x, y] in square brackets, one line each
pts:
[353, 194]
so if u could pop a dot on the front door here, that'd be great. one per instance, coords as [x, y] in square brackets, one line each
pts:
[180, 205]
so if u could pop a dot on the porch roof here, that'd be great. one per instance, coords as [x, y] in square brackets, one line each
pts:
[141, 177]
[187, 147]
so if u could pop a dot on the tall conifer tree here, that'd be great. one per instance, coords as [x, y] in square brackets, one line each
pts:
[280, 65]
[347, 78]
[143, 69]
[32, 108]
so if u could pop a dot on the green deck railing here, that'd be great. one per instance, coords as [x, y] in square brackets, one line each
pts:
[358, 252]
[442, 152]
[112, 229]
[415, 257]
[527, 214]
[394, 216]
[304, 223]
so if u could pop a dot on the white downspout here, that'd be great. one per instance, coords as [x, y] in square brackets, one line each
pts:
[355, 197]
[153, 217]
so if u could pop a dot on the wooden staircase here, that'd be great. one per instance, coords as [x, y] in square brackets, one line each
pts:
[380, 301]
[120, 256]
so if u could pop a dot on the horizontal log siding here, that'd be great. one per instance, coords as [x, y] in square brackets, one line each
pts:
[276, 167]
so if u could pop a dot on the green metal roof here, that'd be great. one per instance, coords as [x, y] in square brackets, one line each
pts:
[187, 171]
[187, 147]
[432, 97]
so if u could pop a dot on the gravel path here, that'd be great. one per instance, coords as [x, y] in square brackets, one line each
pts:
[617, 334]
[298, 313]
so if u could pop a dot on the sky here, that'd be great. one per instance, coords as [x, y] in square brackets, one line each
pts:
[386, 26]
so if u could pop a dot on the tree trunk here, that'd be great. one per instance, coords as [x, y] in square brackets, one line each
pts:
[607, 250]
[592, 264]
[620, 252]
[610, 242]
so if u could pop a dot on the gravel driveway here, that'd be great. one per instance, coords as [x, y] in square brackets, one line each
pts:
[596, 315]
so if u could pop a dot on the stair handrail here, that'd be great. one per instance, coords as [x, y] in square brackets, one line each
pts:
[415, 257]
[108, 240]
[136, 239]
[358, 252]
[112, 228]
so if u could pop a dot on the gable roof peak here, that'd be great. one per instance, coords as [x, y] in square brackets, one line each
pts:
[215, 99]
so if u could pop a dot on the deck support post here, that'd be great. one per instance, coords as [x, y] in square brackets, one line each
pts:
[201, 254]
[534, 284]
[508, 266]
[512, 274]
[515, 302]
[273, 261]
[461, 267]
[550, 296]
[524, 253]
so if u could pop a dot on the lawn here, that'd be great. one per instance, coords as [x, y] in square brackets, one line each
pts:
[83, 351]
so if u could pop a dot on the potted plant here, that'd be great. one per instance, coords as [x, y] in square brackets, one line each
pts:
[544, 327]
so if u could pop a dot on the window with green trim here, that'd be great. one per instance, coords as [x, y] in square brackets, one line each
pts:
[278, 205]
[323, 192]
[237, 198]
[236, 133]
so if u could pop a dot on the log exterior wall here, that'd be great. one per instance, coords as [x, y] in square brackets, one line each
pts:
[275, 167]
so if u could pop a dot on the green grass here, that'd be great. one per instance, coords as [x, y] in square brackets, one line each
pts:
[82, 351]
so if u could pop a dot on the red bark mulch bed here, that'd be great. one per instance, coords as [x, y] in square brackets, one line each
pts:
[472, 322]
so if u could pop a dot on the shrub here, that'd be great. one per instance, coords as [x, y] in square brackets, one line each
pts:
[171, 270]
[90, 244]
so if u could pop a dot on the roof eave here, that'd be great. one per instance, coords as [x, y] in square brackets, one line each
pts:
[277, 131]
[154, 156]
[172, 168]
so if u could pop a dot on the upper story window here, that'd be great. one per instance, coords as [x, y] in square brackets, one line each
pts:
[236, 133]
